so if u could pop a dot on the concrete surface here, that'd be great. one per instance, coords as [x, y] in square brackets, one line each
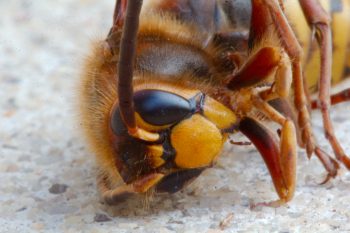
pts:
[47, 176]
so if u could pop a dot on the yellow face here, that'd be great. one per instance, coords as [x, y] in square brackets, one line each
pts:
[192, 129]
[195, 126]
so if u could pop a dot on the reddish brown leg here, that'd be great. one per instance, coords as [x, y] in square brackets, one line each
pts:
[266, 13]
[319, 21]
[341, 97]
[330, 164]
[335, 99]
[256, 69]
[283, 106]
[120, 193]
[280, 159]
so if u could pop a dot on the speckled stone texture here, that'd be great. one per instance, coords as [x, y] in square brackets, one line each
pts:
[47, 176]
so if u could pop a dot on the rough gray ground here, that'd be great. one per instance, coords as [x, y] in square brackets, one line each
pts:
[48, 176]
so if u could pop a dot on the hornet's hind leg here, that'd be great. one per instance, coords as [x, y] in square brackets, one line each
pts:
[335, 99]
[319, 22]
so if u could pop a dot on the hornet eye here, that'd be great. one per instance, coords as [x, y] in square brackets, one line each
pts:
[158, 107]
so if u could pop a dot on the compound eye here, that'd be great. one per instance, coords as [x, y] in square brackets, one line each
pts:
[159, 108]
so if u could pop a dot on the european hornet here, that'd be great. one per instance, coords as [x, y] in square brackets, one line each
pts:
[163, 92]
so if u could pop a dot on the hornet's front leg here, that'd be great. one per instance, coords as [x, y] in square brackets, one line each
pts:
[258, 67]
[280, 115]
[268, 17]
[115, 195]
[279, 158]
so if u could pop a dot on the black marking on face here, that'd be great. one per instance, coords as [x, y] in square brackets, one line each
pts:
[117, 125]
[233, 128]
[176, 181]
[129, 151]
[168, 150]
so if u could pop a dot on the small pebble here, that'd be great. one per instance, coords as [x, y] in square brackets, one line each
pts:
[21, 209]
[101, 218]
[58, 188]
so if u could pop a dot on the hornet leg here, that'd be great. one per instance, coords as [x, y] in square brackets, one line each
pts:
[113, 196]
[319, 21]
[335, 99]
[279, 159]
[328, 162]
[266, 13]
